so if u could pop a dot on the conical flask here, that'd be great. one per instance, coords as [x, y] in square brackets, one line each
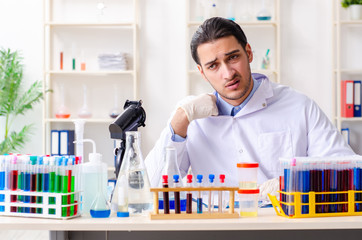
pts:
[140, 199]
[100, 207]
[170, 169]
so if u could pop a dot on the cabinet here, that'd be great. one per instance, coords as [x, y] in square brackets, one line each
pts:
[83, 30]
[261, 34]
[347, 37]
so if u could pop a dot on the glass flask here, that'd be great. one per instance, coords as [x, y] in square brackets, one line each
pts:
[85, 112]
[62, 111]
[100, 207]
[170, 168]
[133, 169]
[263, 14]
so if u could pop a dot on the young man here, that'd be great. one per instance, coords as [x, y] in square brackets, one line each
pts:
[247, 119]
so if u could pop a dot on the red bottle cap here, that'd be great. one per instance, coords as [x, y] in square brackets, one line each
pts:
[165, 178]
[189, 178]
[222, 178]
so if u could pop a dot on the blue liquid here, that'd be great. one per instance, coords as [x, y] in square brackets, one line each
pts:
[100, 213]
[265, 18]
[172, 204]
[27, 182]
[199, 205]
[2, 208]
[46, 182]
[2, 180]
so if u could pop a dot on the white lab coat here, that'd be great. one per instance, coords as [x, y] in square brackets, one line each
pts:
[276, 122]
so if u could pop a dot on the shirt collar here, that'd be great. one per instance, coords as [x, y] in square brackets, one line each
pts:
[226, 108]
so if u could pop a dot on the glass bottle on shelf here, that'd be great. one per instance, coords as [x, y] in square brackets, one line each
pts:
[62, 110]
[85, 112]
[140, 199]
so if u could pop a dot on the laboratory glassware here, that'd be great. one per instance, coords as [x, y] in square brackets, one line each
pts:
[248, 199]
[122, 204]
[199, 195]
[166, 200]
[176, 184]
[94, 173]
[85, 112]
[189, 195]
[140, 200]
[62, 111]
[211, 193]
[115, 111]
[263, 14]
[247, 175]
[100, 207]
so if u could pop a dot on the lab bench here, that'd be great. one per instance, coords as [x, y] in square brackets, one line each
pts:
[266, 225]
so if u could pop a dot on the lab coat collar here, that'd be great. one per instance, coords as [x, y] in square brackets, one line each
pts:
[259, 99]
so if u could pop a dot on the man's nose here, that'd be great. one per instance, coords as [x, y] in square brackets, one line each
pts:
[228, 71]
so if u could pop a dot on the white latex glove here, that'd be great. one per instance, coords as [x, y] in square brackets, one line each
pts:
[271, 186]
[201, 106]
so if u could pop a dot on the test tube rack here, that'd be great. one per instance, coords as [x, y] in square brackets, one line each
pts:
[205, 215]
[56, 208]
[351, 207]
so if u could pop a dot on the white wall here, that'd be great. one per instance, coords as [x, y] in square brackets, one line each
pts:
[306, 55]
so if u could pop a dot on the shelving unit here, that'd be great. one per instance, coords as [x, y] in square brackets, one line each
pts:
[252, 28]
[81, 29]
[347, 36]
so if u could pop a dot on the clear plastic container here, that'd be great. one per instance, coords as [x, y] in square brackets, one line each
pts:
[248, 202]
[247, 175]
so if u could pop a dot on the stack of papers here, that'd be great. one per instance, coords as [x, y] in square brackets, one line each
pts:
[117, 61]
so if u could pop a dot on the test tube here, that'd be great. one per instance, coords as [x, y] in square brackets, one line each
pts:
[189, 195]
[211, 193]
[52, 180]
[357, 183]
[39, 181]
[166, 199]
[61, 60]
[177, 194]
[21, 176]
[65, 181]
[77, 175]
[33, 160]
[220, 193]
[305, 186]
[13, 180]
[122, 208]
[71, 184]
[27, 180]
[199, 196]
[2, 181]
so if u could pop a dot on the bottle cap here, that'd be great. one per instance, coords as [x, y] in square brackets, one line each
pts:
[176, 178]
[211, 178]
[247, 165]
[199, 178]
[122, 214]
[165, 178]
[33, 160]
[40, 160]
[249, 191]
[189, 178]
[222, 178]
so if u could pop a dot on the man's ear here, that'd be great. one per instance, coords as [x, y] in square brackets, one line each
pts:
[202, 72]
[249, 52]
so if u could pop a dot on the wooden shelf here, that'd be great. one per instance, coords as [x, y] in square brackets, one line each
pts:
[89, 24]
[99, 72]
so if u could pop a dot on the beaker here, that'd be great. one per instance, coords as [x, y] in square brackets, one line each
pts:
[263, 14]
[140, 199]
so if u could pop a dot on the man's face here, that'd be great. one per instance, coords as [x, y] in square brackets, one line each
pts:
[225, 65]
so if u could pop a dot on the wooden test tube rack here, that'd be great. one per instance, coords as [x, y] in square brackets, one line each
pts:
[194, 215]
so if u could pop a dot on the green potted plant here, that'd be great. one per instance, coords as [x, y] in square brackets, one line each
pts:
[355, 8]
[14, 100]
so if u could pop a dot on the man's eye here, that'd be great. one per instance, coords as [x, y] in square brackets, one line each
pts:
[212, 66]
[233, 57]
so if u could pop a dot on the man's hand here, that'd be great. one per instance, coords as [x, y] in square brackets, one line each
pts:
[198, 107]
[202, 106]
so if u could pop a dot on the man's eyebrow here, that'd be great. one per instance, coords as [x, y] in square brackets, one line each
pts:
[226, 54]
[232, 52]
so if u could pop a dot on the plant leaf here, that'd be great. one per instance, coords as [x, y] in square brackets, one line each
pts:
[15, 141]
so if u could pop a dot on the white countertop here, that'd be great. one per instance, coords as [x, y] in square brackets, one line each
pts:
[267, 220]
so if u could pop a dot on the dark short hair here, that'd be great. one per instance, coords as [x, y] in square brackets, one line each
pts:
[213, 29]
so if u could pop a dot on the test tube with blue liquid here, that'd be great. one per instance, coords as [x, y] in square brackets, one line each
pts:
[2, 182]
[199, 196]
[39, 181]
